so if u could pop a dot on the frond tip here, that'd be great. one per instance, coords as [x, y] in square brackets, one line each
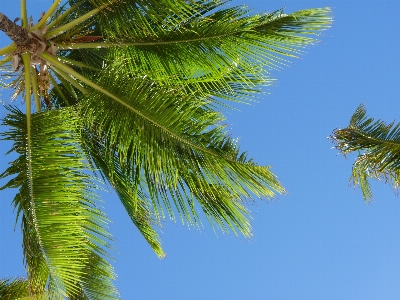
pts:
[378, 148]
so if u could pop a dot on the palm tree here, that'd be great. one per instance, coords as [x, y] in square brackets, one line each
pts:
[378, 150]
[131, 92]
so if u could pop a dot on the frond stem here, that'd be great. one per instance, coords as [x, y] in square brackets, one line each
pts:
[63, 15]
[5, 60]
[27, 68]
[55, 85]
[8, 49]
[116, 44]
[67, 76]
[35, 89]
[77, 63]
[64, 28]
[47, 15]
[24, 15]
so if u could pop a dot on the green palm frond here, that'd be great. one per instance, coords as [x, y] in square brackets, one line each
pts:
[378, 148]
[221, 52]
[172, 146]
[64, 239]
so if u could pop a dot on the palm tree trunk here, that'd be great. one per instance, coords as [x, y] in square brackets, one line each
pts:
[18, 34]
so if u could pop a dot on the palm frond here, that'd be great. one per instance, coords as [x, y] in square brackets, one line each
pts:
[170, 145]
[64, 240]
[378, 146]
[222, 52]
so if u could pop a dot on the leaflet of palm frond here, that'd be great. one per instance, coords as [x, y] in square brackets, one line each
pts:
[135, 201]
[13, 288]
[159, 135]
[378, 147]
[221, 209]
[60, 216]
[160, 12]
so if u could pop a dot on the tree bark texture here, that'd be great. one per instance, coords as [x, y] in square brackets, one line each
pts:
[16, 33]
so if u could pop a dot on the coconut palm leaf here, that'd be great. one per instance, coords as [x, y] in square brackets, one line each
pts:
[221, 52]
[64, 239]
[378, 146]
[173, 145]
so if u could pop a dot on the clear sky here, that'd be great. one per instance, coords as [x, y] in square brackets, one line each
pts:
[321, 241]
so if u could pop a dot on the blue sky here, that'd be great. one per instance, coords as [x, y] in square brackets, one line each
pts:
[321, 241]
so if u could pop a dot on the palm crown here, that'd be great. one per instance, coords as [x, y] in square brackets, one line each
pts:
[377, 145]
[132, 92]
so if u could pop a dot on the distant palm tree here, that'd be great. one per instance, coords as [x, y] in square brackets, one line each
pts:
[378, 148]
[131, 92]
